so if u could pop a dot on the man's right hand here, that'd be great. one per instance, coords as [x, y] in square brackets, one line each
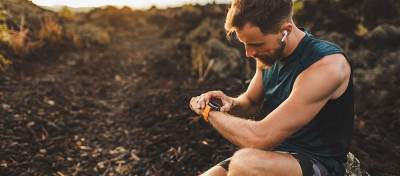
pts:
[227, 103]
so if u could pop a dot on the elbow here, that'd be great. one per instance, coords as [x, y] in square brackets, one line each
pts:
[256, 144]
[258, 141]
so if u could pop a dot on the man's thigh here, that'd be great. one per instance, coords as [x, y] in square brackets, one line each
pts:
[260, 162]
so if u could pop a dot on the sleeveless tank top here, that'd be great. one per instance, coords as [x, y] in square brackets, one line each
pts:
[327, 136]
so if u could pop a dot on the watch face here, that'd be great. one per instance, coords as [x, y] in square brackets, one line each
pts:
[214, 106]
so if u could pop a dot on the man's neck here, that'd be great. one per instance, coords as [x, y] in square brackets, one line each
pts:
[293, 40]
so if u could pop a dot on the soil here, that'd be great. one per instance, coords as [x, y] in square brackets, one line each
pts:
[122, 109]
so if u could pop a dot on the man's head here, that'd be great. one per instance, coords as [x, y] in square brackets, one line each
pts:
[268, 15]
[260, 25]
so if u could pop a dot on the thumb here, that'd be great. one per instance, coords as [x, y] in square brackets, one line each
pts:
[225, 108]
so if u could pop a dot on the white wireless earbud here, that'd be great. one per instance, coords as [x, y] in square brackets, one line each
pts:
[285, 34]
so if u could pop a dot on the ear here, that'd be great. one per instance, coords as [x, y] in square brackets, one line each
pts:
[288, 27]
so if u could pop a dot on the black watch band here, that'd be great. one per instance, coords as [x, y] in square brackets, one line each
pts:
[214, 106]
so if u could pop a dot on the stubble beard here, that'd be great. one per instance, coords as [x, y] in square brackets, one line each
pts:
[270, 60]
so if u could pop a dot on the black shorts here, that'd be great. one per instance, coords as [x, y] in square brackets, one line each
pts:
[309, 166]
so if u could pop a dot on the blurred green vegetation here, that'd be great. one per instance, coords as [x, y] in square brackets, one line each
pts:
[4, 63]
[3, 25]
[188, 7]
[298, 7]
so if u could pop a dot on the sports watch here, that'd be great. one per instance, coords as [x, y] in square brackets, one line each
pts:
[210, 106]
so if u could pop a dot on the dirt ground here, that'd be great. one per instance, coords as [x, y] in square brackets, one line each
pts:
[122, 109]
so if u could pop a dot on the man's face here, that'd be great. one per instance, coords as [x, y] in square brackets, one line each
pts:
[266, 49]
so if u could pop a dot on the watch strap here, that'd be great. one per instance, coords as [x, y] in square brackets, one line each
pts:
[205, 113]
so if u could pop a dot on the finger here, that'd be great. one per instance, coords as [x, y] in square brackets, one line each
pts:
[225, 108]
[201, 103]
[213, 94]
[192, 101]
[227, 104]
[207, 97]
[193, 105]
[198, 101]
[217, 93]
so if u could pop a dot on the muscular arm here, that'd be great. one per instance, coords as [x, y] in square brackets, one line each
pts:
[249, 103]
[327, 79]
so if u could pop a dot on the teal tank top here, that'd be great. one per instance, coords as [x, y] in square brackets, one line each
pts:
[327, 137]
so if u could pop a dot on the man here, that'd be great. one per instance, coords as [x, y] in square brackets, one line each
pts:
[306, 82]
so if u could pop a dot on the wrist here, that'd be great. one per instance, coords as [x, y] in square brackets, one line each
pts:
[210, 107]
[206, 112]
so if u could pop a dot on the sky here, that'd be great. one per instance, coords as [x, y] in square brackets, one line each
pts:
[131, 3]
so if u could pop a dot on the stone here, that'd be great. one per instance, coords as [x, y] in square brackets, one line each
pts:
[383, 36]
[352, 166]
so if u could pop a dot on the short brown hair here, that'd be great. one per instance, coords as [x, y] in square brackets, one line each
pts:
[268, 15]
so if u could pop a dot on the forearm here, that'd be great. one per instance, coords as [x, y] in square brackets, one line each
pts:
[244, 133]
[244, 107]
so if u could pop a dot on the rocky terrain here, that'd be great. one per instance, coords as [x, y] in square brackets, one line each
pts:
[106, 92]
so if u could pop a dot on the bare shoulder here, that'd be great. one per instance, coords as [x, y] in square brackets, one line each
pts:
[335, 61]
[333, 66]
[330, 74]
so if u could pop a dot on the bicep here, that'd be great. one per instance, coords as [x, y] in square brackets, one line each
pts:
[311, 91]
[317, 85]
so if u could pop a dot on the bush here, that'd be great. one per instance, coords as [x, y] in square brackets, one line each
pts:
[4, 36]
[4, 63]
[74, 37]
[66, 13]
[19, 41]
[103, 38]
[16, 40]
[50, 31]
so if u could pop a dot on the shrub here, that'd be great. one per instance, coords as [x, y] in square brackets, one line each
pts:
[103, 38]
[19, 41]
[74, 37]
[66, 13]
[4, 63]
[361, 30]
[298, 7]
[50, 31]
[4, 36]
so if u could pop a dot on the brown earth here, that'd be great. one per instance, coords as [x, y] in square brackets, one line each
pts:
[117, 110]
[122, 109]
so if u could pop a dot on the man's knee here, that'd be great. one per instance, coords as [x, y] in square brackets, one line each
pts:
[215, 171]
[250, 161]
[244, 155]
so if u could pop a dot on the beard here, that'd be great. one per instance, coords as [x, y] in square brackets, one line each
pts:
[269, 60]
